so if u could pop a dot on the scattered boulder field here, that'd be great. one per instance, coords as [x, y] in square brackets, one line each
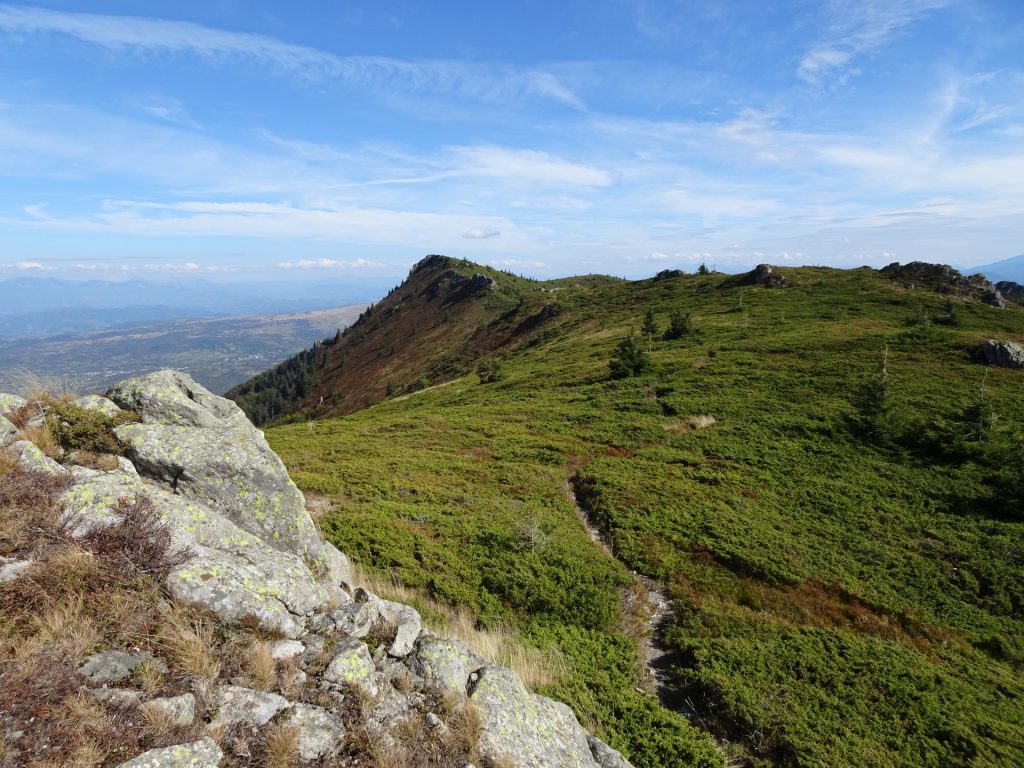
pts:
[248, 552]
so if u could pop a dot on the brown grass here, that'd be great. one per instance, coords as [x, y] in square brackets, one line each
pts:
[281, 749]
[105, 462]
[42, 438]
[189, 639]
[260, 670]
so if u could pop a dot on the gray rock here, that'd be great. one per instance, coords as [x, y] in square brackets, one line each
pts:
[231, 572]
[234, 704]
[286, 649]
[11, 569]
[31, 459]
[97, 403]
[117, 697]
[172, 397]
[530, 730]
[10, 403]
[357, 619]
[199, 754]
[605, 756]
[319, 731]
[406, 621]
[124, 465]
[202, 447]
[1006, 354]
[7, 431]
[112, 666]
[444, 663]
[351, 665]
[179, 710]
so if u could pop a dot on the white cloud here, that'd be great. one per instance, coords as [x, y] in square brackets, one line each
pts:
[528, 165]
[326, 264]
[493, 83]
[188, 266]
[857, 27]
[481, 233]
[656, 256]
[29, 265]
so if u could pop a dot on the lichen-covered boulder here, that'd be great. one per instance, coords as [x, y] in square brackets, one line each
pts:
[201, 446]
[179, 710]
[10, 403]
[525, 729]
[231, 572]
[199, 754]
[114, 666]
[407, 624]
[7, 431]
[444, 663]
[605, 756]
[97, 403]
[31, 459]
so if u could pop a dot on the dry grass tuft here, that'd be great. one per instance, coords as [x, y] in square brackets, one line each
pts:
[281, 748]
[149, 677]
[690, 424]
[260, 667]
[105, 462]
[191, 643]
[43, 438]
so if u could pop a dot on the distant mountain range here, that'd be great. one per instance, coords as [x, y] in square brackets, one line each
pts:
[1007, 269]
[217, 352]
[38, 307]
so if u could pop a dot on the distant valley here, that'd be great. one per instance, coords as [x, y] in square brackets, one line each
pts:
[218, 352]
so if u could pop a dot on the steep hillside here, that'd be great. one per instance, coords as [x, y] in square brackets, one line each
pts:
[432, 328]
[818, 475]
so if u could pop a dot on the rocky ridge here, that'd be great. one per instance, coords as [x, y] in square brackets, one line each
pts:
[249, 553]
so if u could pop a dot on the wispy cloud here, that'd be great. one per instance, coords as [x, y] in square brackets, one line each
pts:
[327, 264]
[474, 80]
[480, 233]
[856, 27]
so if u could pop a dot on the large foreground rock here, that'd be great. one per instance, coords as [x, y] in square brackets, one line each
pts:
[528, 730]
[201, 446]
[231, 572]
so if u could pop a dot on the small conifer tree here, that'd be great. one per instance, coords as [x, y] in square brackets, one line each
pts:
[650, 326]
[629, 358]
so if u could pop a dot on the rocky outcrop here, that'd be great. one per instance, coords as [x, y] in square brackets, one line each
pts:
[246, 549]
[942, 278]
[1011, 290]
[1005, 354]
[761, 276]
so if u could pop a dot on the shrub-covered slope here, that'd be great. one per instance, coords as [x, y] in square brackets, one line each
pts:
[843, 545]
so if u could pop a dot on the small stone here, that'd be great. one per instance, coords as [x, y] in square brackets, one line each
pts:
[320, 732]
[407, 626]
[117, 697]
[286, 649]
[7, 431]
[10, 403]
[351, 665]
[235, 704]
[180, 710]
[112, 666]
[357, 619]
[199, 754]
[11, 569]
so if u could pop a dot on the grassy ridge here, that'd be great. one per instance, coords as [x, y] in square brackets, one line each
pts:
[846, 574]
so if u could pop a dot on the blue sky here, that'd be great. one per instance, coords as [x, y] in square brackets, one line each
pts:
[315, 140]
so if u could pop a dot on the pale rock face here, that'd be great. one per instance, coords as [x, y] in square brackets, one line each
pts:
[11, 569]
[407, 626]
[7, 431]
[319, 731]
[529, 730]
[10, 403]
[1006, 354]
[199, 754]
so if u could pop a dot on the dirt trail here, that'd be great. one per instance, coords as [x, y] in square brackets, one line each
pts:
[657, 613]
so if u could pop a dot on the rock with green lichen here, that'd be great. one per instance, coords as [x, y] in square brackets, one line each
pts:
[31, 459]
[525, 729]
[231, 572]
[172, 397]
[10, 403]
[444, 663]
[234, 704]
[351, 665]
[199, 754]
